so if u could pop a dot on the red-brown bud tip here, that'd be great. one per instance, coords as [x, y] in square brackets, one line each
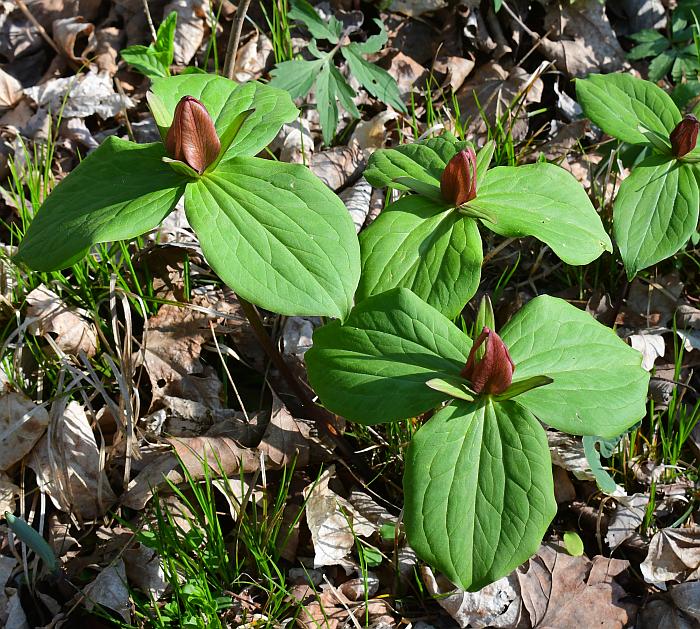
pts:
[458, 181]
[494, 372]
[684, 136]
[192, 137]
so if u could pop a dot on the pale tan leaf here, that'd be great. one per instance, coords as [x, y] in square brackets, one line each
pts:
[22, 423]
[74, 333]
[75, 37]
[650, 346]
[68, 466]
[333, 523]
[8, 492]
[10, 90]
[496, 605]
[674, 554]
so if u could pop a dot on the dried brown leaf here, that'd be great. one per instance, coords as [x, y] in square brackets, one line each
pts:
[559, 590]
[22, 424]
[10, 90]
[75, 37]
[74, 332]
[68, 466]
[674, 554]
[340, 166]
[581, 40]
[333, 523]
[496, 605]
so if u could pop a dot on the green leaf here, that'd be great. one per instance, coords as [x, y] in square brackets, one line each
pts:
[605, 482]
[331, 87]
[544, 201]
[426, 247]
[277, 236]
[226, 100]
[483, 161]
[301, 10]
[573, 543]
[655, 212]
[374, 79]
[374, 368]
[119, 191]
[374, 43]
[661, 65]
[651, 44]
[598, 385]
[453, 387]
[345, 93]
[326, 103]
[478, 490]
[156, 59]
[619, 102]
[146, 60]
[297, 76]
[521, 386]
[424, 161]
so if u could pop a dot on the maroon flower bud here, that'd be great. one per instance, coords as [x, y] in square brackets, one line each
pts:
[493, 373]
[684, 136]
[192, 137]
[458, 181]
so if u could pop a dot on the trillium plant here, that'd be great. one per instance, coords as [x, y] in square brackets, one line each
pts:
[428, 240]
[272, 231]
[478, 485]
[656, 209]
[478, 482]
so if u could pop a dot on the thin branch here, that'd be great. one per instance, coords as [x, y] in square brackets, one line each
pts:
[235, 38]
[147, 11]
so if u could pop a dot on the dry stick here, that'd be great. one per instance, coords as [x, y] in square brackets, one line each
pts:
[147, 11]
[310, 407]
[47, 38]
[235, 38]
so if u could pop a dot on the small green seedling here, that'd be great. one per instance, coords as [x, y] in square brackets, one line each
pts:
[656, 209]
[272, 231]
[674, 53]
[429, 241]
[155, 59]
[478, 481]
[299, 76]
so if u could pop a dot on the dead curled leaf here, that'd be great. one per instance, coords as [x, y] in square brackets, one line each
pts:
[22, 424]
[559, 590]
[87, 94]
[10, 90]
[75, 37]
[496, 605]
[674, 554]
[110, 590]
[68, 466]
[339, 166]
[74, 332]
[333, 523]
[582, 39]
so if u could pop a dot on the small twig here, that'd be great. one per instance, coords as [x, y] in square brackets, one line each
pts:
[45, 36]
[273, 354]
[147, 11]
[235, 38]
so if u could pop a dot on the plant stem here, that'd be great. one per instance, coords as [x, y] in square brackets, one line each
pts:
[312, 410]
[235, 38]
[273, 354]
